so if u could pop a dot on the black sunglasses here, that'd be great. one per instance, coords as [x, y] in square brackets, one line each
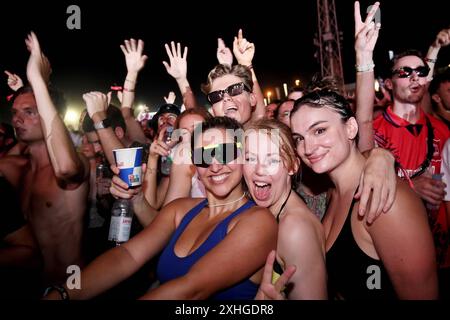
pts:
[224, 153]
[233, 90]
[406, 72]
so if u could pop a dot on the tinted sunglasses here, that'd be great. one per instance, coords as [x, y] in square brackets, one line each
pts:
[233, 90]
[406, 72]
[223, 153]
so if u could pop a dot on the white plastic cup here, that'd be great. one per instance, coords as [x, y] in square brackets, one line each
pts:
[129, 162]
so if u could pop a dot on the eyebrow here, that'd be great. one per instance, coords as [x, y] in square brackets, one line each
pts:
[316, 123]
[310, 127]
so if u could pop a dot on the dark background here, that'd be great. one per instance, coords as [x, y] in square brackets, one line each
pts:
[283, 32]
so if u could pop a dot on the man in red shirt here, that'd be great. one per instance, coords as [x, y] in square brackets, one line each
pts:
[416, 141]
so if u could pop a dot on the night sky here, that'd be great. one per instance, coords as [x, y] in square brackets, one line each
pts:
[283, 32]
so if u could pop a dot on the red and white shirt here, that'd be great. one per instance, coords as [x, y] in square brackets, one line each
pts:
[408, 143]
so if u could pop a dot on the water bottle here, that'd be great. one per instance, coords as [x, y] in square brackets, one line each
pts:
[121, 218]
[166, 161]
[103, 179]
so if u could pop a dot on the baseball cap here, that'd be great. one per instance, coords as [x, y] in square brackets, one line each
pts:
[165, 108]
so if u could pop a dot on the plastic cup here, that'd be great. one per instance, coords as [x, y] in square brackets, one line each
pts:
[129, 161]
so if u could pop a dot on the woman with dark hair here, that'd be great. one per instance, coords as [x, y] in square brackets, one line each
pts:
[391, 257]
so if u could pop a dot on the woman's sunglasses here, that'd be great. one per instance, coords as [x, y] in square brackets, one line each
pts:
[223, 153]
[233, 90]
[406, 72]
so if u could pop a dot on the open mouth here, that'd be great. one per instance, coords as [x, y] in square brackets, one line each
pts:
[262, 190]
[231, 110]
[415, 88]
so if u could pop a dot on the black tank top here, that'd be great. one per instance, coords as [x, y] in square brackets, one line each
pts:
[351, 272]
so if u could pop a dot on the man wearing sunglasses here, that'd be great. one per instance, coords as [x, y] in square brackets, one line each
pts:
[229, 91]
[416, 140]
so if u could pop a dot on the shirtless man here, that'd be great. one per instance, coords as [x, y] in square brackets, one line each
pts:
[50, 176]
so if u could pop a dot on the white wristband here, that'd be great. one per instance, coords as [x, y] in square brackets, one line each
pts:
[365, 67]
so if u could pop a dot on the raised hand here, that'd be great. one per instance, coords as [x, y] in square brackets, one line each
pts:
[134, 58]
[159, 147]
[243, 50]
[170, 99]
[14, 81]
[178, 64]
[269, 291]
[366, 33]
[120, 96]
[38, 67]
[95, 102]
[224, 55]
[442, 39]
[108, 98]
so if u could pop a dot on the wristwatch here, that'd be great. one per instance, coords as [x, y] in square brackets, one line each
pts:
[103, 124]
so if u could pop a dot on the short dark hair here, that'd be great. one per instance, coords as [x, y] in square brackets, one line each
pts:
[216, 122]
[394, 60]
[440, 77]
[113, 114]
[57, 97]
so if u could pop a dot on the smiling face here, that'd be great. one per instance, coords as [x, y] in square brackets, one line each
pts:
[26, 119]
[219, 179]
[238, 107]
[265, 169]
[323, 140]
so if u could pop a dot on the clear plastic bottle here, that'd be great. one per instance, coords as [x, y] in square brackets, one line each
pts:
[121, 219]
[166, 161]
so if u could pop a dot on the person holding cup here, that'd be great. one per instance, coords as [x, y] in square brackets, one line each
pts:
[215, 233]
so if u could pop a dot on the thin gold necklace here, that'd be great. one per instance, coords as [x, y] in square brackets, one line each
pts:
[224, 204]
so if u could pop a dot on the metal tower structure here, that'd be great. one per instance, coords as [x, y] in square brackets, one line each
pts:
[328, 42]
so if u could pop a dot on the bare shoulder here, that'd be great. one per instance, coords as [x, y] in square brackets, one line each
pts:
[255, 218]
[300, 224]
[180, 207]
[257, 213]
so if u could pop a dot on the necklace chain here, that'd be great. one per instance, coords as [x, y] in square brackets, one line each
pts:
[224, 204]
